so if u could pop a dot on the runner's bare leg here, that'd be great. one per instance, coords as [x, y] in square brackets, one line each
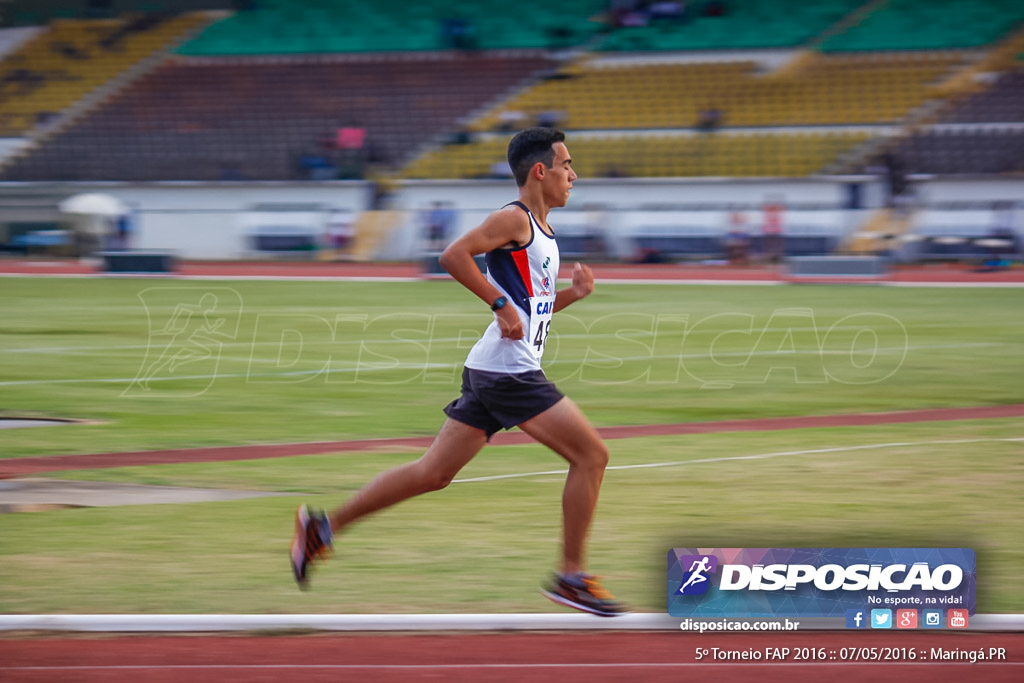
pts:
[455, 445]
[566, 430]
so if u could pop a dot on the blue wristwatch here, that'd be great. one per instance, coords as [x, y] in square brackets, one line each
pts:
[499, 303]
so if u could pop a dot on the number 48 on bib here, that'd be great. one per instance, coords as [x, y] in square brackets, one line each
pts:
[541, 310]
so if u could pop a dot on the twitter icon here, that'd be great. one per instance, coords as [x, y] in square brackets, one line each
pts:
[881, 618]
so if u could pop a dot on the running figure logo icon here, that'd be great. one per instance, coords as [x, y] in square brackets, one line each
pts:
[188, 329]
[696, 580]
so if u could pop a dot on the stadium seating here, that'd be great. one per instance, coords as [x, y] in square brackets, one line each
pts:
[725, 25]
[964, 152]
[658, 155]
[235, 119]
[322, 26]
[923, 25]
[1002, 102]
[71, 58]
[274, 92]
[623, 100]
[825, 90]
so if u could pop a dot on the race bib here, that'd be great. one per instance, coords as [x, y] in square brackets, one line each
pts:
[541, 310]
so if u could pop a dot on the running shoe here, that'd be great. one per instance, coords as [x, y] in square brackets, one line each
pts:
[312, 541]
[583, 592]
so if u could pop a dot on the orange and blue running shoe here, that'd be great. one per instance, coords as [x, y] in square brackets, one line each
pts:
[583, 592]
[312, 541]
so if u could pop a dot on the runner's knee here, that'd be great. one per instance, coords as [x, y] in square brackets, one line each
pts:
[434, 479]
[594, 457]
[439, 480]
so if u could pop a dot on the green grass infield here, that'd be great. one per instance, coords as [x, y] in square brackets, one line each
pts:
[157, 364]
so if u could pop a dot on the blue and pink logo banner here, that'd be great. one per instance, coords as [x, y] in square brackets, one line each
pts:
[817, 582]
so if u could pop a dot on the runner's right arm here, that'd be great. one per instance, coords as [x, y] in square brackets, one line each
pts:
[501, 229]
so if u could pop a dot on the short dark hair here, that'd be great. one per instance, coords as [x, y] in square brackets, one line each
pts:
[529, 147]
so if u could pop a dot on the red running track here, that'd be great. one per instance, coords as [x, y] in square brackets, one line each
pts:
[21, 467]
[650, 657]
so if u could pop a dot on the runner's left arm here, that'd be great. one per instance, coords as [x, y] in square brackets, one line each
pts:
[582, 286]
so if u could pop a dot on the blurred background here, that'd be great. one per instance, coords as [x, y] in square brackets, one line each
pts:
[712, 132]
[335, 136]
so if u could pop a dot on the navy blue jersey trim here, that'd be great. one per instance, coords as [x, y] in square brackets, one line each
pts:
[534, 225]
[502, 267]
[533, 222]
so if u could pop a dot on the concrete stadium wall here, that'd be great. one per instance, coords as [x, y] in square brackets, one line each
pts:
[215, 221]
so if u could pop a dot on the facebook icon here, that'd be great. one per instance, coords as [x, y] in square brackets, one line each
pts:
[856, 618]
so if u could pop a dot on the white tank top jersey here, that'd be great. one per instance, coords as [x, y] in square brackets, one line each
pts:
[526, 276]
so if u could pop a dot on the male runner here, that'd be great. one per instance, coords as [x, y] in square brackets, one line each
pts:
[503, 385]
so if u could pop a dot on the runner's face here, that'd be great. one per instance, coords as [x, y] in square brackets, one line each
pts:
[559, 178]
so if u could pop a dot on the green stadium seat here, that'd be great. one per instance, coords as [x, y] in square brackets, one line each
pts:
[925, 25]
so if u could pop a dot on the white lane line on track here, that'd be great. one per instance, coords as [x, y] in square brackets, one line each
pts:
[760, 456]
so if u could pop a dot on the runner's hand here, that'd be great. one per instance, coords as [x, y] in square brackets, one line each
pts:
[582, 280]
[509, 322]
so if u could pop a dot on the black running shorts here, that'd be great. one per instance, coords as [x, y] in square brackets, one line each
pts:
[493, 401]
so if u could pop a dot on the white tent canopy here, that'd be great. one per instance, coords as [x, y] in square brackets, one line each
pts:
[94, 204]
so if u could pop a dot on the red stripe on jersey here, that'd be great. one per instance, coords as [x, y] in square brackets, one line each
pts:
[522, 260]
